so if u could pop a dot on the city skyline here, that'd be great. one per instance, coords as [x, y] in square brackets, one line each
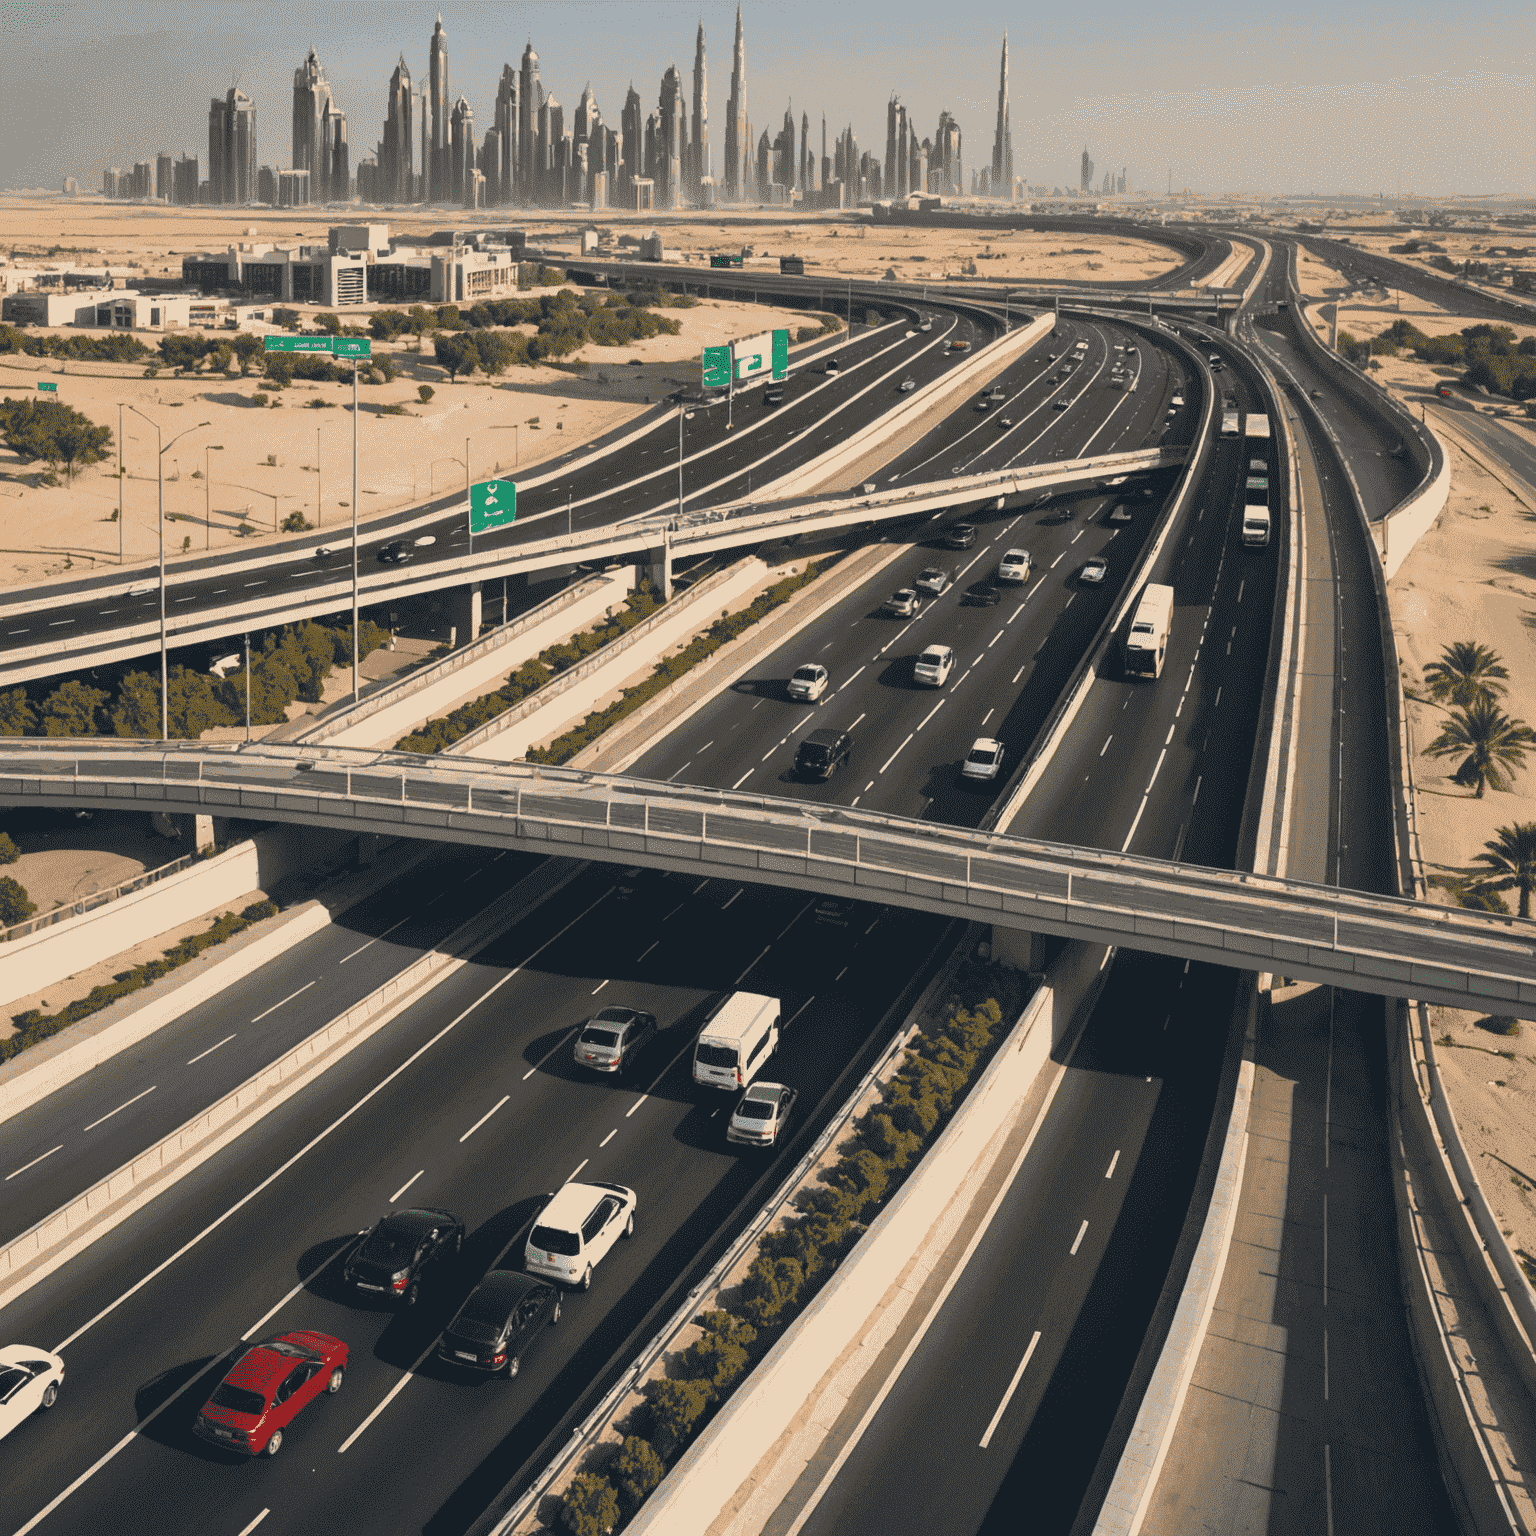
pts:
[1417, 123]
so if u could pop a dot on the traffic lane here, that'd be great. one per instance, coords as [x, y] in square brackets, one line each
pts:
[1505, 446]
[1042, 1295]
[340, 1186]
[87, 1129]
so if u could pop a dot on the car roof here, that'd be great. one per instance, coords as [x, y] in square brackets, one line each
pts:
[826, 737]
[809, 666]
[768, 1091]
[414, 1222]
[1096, 560]
[985, 744]
[20, 1354]
[1016, 554]
[615, 1013]
[508, 1285]
[572, 1204]
[936, 650]
[265, 1364]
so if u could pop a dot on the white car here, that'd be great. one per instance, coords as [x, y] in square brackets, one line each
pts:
[1177, 400]
[808, 682]
[903, 602]
[908, 385]
[933, 667]
[985, 759]
[426, 540]
[1094, 570]
[576, 1228]
[29, 1380]
[1015, 566]
[933, 579]
[761, 1114]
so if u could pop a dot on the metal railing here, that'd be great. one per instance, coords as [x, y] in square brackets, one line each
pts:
[83, 904]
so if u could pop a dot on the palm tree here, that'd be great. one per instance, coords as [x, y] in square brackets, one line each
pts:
[1512, 857]
[1494, 742]
[1465, 673]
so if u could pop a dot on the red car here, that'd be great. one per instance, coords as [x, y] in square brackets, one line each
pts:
[267, 1387]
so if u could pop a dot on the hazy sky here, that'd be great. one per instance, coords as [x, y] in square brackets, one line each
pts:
[1367, 96]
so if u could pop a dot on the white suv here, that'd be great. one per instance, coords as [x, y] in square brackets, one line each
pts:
[934, 666]
[577, 1226]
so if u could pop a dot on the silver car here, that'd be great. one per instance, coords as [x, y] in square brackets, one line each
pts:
[761, 1114]
[612, 1040]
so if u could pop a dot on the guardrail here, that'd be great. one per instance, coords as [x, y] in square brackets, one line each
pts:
[1385, 945]
[84, 904]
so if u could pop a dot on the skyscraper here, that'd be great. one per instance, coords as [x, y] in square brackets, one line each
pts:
[163, 187]
[632, 127]
[529, 100]
[439, 111]
[674, 132]
[232, 148]
[335, 170]
[506, 125]
[461, 142]
[738, 147]
[1002, 143]
[311, 148]
[394, 178]
[699, 165]
[1085, 175]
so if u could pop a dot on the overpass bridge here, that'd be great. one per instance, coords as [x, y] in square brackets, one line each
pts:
[657, 540]
[1367, 943]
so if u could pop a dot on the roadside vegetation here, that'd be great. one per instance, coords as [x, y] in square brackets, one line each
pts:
[56, 434]
[1489, 355]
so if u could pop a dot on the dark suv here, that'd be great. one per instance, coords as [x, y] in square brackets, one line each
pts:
[392, 1257]
[822, 753]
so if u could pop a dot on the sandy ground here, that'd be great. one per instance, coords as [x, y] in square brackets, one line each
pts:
[63, 859]
[1471, 577]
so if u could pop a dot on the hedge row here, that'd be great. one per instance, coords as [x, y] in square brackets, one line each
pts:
[667, 672]
[34, 1025]
[531, 676]
[793, 1263]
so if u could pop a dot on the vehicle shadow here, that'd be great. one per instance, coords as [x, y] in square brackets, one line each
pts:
[703, 1126]
[897, 673]
[174, 1398]
[320, 1266]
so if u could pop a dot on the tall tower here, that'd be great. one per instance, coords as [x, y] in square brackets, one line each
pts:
[506, 125]
[737, 139]
[528, 104]
[395, 162]
[461, 145]
[1085, 173]
[1002, 143]
[669, 156]
[311, 101]
[440, 112]
[699, 164]
[632, 130]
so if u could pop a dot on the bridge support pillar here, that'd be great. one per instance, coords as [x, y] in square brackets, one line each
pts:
[656, 564]
[464, 612]
[192, 830]
[368, 844]
[1019, 949]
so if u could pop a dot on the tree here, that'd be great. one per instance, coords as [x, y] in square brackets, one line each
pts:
[278, 367]
[136, 710]
[639, 1469]
[54, 432]
[494, 350]
[420, 320]
[455, 352]
[1511, 855]
[9, 852]
[72, 709]
[1465, 673]
[386, 324]
[247, 348]
[196, 705]
[17, 716]
[328, 325]
[183, 350]
[14, 906]
[1495, 744]
[590, 1506]
[424, 393]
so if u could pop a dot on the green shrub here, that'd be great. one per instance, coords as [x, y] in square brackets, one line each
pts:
[9, 852]
[719, 1356]
[590, 1506]
[638, 1469]
[770, 1289]
[676, 1406]
[295, 523]
[259, 398]
[424, 393]
[14, 905]
[258, 910]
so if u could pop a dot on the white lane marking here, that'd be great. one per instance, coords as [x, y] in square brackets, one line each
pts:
[672, 776]
[855, 800]
[120, 1108]
[1217, 699]
[1169, 736]
[766, 948]
[747, 775]
[1077, 1241]
[1059, 558]
[483, 1118]
[861, 716]
[1017, 611]
[1134, 824]
[1020, 673]
[211, 1049]
[609, 1137]
[636, 1105]
[894, 755]
[739, 890]
[1243, 583]
[1076, 536]
[1198, 781]
[654, 943]
[791, 923]
[54, 623]
[993, 641]
[707, 745]
[275, 1006]
[801, 1009]
[1107, 740]
[1109, 1172]
[931, 713]
[577, 1169]
[405, 1186]
[988, 716]
[255, 583]
[868, 787]
[841, 686]
[599, 987]
[1013, 1387]
[35, 1161]
[254, 1523]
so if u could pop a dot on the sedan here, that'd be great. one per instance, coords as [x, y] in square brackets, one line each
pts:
[1015, 566]
[984, 404]
[29, 1380]
[611, 1041]
[1005, 421]
[908, 385]
[933, 667]
[267, 1387]
[933, 579]
[506, 1315]
[903, 603]
[396, 552]
[400, 1248]
[808, 682]
[426, 540]
[761, 1114]
[1094, 570]
[1061, 405]
[960, 536]
[324, 552]
[985, 759]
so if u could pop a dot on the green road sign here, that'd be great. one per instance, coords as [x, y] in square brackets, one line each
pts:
[52, 389]
[350, 346]
[492, 505]
[717, 367]
[781, 354]
[298, 343]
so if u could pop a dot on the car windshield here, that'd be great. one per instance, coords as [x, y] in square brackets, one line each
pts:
[810, 752]
[754, 1109]
[553, 1240]
[806, 674]
[239, 1400]
[593, 1035]
[718, 1055]
[386, 1248]
[982, 755]
[931, 574]
[488, 1305]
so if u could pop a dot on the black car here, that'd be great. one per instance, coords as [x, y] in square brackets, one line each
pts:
[395, 1253]
[773, 397]
[959, 536]
[983, 595]
[396, 552]
[822, 753]
[612, 1040]
[503, 1319]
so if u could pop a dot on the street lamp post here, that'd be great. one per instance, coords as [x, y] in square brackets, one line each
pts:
[119, 482]
[355, 689]
[318, 518]
[165, 702]
[469, 511]
[247, 690]
[208, 448]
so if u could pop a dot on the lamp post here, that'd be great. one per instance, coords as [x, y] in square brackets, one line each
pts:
[318, 518]
[165, 722]
[247, 690]
[119, 482]
[356, 694]
[208, 448]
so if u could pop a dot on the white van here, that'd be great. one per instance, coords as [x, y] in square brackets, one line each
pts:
[736, 1041]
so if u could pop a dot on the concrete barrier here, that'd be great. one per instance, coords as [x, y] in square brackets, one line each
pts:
[709, 1477]
[74, 1227]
